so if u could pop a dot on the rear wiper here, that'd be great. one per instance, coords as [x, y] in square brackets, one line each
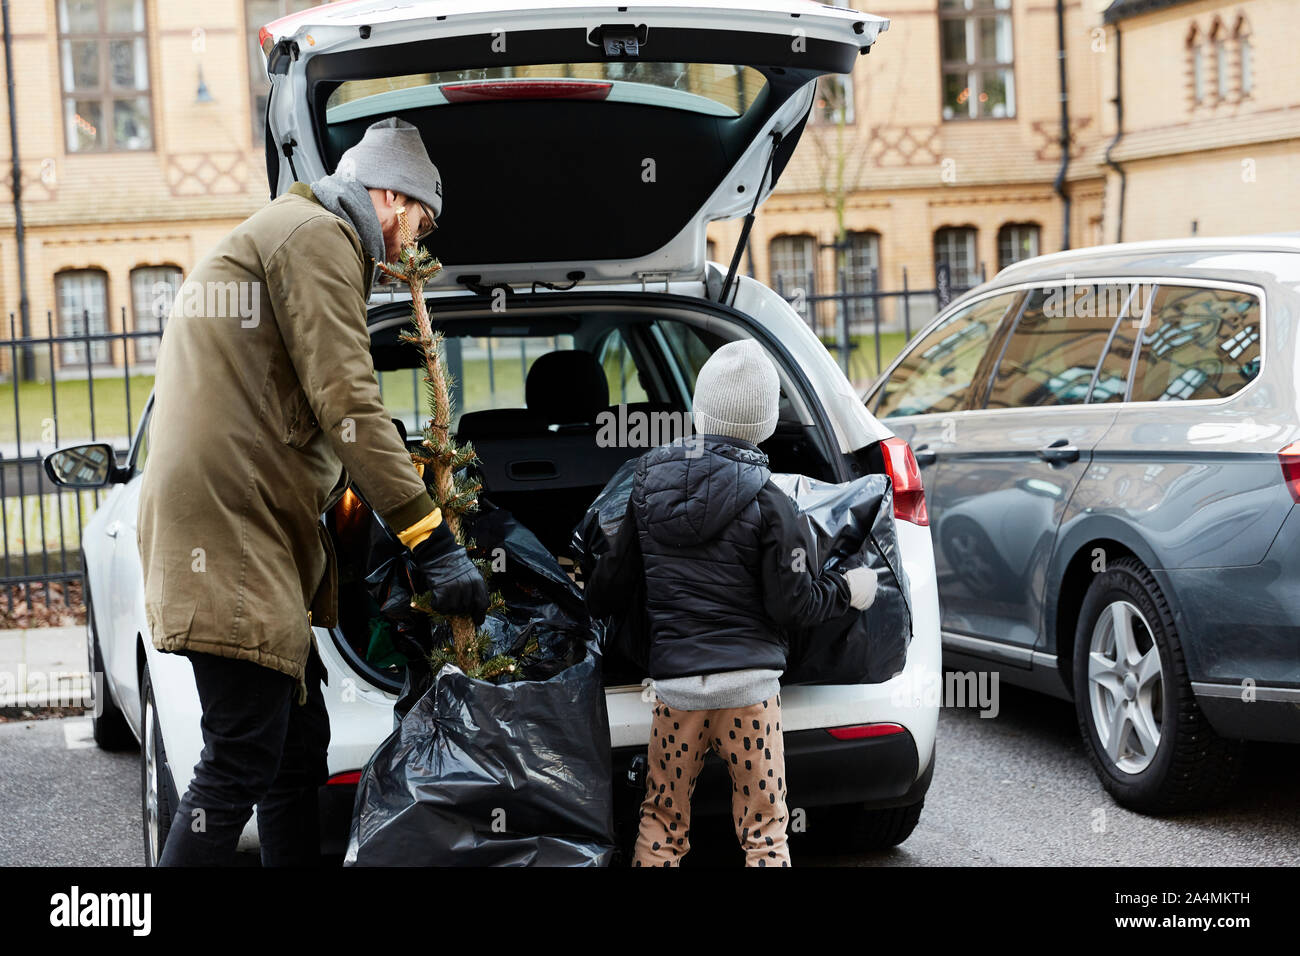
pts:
[473, 284]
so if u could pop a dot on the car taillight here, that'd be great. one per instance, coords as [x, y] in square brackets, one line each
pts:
[1289, 458]
[349, 778]
[482, 90]
[909, 493]
[859, 731]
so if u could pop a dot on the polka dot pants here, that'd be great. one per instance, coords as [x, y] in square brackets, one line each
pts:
[748, 739]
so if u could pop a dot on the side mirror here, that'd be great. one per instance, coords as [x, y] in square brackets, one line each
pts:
[83, 466]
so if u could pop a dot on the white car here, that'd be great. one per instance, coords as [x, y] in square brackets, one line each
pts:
[584, 149]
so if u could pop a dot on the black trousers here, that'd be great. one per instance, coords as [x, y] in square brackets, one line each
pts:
[260, 746]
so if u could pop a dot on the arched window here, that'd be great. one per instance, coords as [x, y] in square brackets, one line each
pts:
[153, 289]
[82, 299]
[1219, 44]
[861, 271]
[955, 248]
[793, 261]
[1245, 58]
[1196, 65]
[1016, 241]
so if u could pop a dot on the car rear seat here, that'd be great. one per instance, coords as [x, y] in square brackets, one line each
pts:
[543, 462]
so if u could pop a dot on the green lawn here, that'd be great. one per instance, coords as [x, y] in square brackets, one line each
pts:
[36, 407]
[862, 360]
[503, 389]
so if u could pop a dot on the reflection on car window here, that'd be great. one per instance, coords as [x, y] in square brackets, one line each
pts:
[1199, 343]
[1052, 354]
[935, 375]
[1112, 377]
[690, 348]
[141, 450]
[620, 371]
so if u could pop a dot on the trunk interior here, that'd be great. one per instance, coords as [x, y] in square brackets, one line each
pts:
[554, 400]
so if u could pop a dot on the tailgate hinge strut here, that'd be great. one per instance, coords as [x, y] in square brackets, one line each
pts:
[743, 241]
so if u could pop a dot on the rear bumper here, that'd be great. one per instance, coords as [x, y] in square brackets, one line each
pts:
[879, 772]
[1240, 630]
[1251, 713]
[876, 772]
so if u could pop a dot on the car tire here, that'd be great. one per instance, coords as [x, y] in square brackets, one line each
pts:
[158, 798]
[1147, 739]
[860, 829]
[109, 727]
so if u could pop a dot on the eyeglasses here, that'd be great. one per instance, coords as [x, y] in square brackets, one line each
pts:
[428, 215]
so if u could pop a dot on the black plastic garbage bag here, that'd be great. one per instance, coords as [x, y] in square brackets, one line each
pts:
[849, 525]
[852, 525]
[478, 773]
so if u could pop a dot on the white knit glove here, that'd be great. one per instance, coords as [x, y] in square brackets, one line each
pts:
[862, 587]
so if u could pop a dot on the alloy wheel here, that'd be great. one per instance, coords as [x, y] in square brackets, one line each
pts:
[153, 822]
[1125, 687]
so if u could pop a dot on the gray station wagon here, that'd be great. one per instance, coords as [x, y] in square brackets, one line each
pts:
[1110, 444]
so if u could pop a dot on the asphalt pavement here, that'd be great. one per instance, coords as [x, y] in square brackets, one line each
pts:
[1014, 789]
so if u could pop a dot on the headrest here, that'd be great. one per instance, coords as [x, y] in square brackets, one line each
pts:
[566, 387]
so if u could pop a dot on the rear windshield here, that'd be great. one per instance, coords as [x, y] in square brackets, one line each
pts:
[709, 88]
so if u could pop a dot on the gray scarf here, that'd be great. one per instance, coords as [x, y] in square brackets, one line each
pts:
[350, 201]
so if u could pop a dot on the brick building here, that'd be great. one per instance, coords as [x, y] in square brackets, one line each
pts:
[953, 140]
[140, 140]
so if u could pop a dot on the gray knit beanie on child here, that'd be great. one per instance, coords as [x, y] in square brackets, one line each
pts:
[391, 155]
[737, 392]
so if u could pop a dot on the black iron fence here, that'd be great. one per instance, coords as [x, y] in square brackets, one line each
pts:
[91, 385]
[844, 320]
[83, 386]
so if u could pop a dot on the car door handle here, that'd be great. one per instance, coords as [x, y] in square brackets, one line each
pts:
[113, 528]
[1059, 452]
[924, 455]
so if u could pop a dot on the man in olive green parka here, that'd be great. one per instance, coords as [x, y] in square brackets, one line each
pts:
[265, 407]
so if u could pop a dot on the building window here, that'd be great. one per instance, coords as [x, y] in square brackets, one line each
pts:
[1196, 59]
[105, 75]
[153, 288]
[1245, 57]
[1219, 47]
[834, 100]
[794, 269]
[1221, 67]
[975, 46]
[1017, 241]
[862, 269]
[82, 298]
[955, 248]
[258, 13]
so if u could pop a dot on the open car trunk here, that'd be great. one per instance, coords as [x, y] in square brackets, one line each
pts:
[576, 141]
[555, 399]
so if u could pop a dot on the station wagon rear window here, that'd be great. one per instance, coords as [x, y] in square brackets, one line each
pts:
[1199, 343]
[710, 89]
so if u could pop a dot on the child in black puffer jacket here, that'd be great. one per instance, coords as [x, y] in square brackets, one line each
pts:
[725, 567]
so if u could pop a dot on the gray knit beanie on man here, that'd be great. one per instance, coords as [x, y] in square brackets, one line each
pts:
[391, 155]
[737, 392]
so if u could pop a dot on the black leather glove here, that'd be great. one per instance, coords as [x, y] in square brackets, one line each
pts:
[442, 566]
